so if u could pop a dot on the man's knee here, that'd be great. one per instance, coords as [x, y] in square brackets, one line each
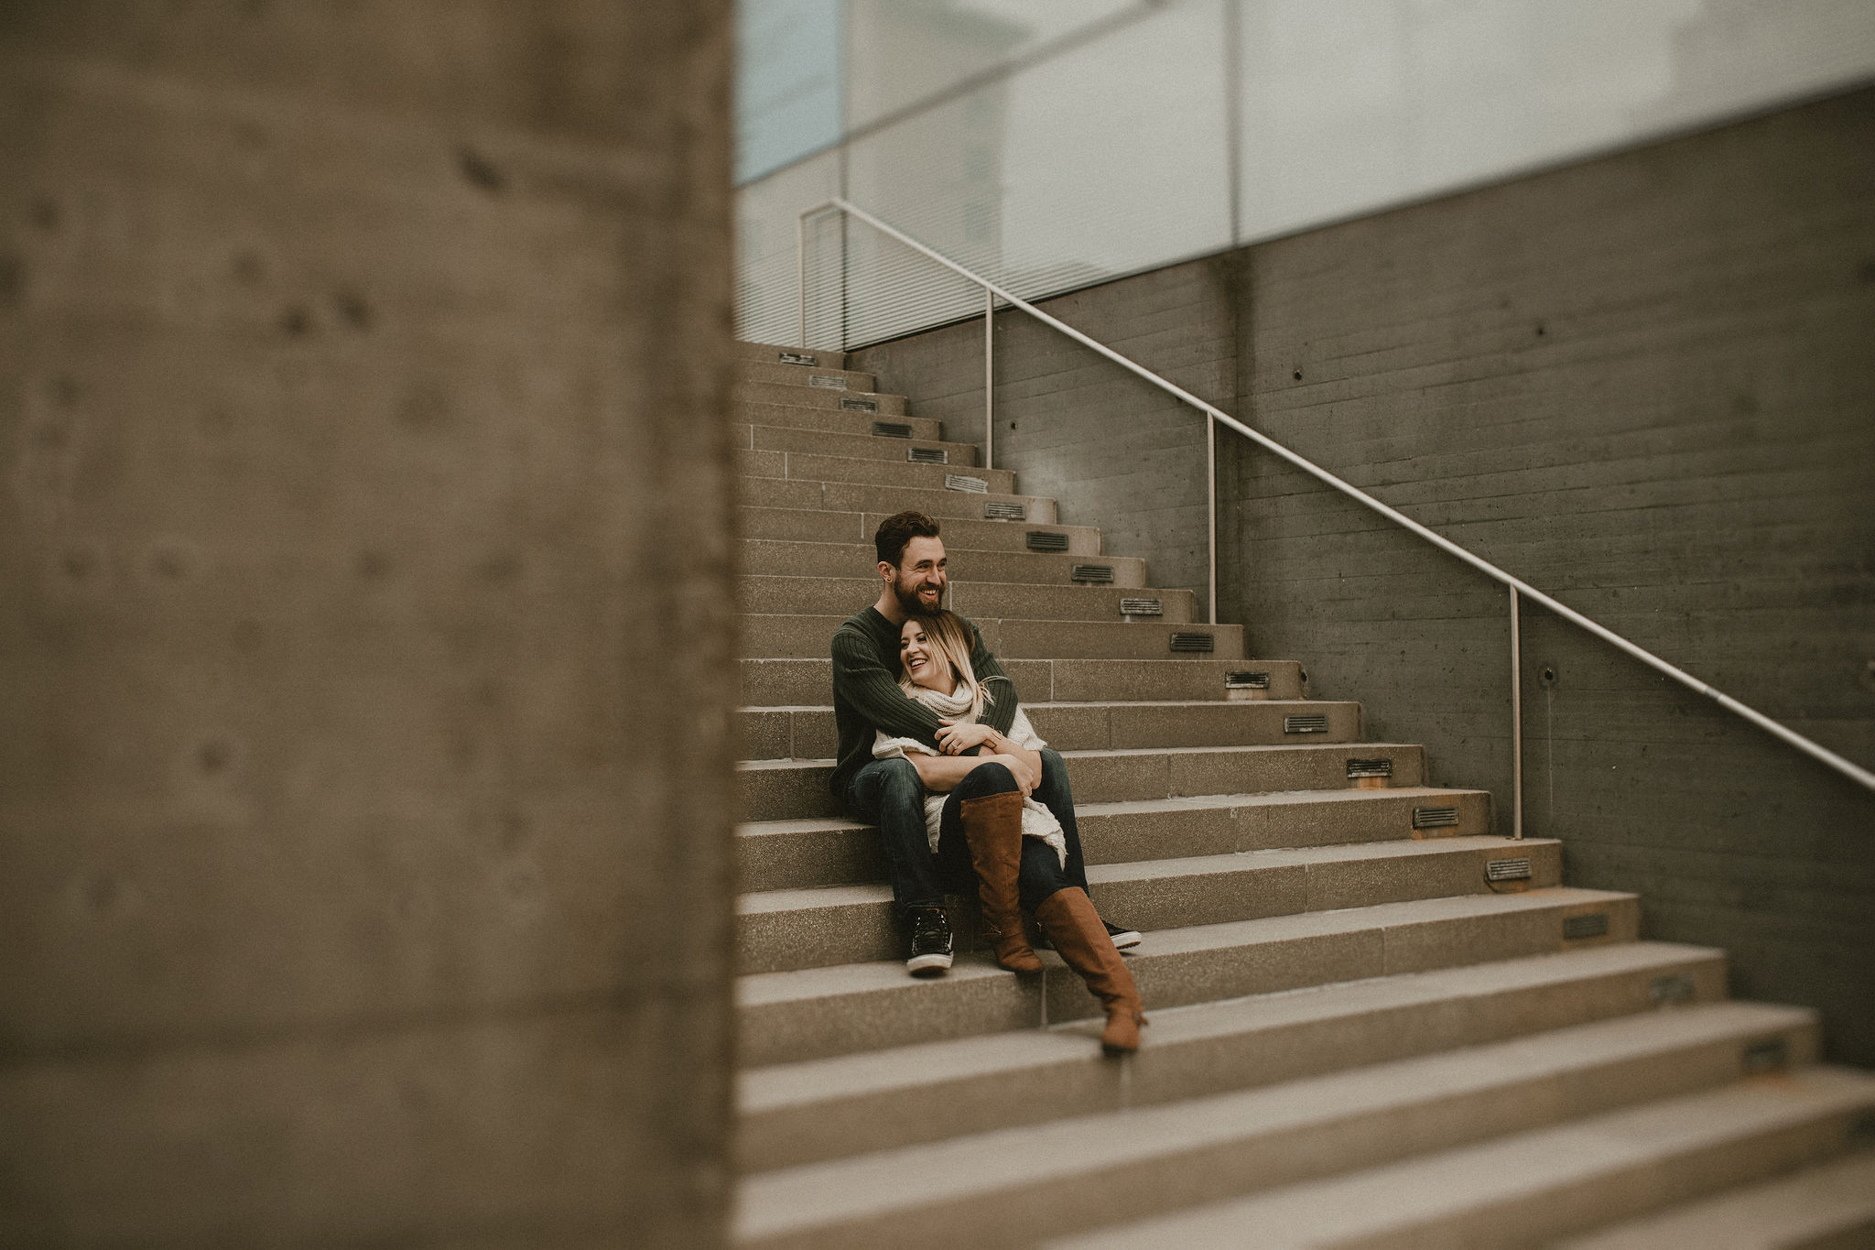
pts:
[1054, 772]
[899, 784]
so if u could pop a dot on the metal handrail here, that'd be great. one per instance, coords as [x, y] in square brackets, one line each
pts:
[1519, 589]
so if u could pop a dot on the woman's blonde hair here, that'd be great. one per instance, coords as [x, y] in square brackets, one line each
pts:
[949, 638]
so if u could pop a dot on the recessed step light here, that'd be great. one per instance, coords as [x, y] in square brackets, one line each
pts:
[1434, 817]
[799, 358]
[1196, 643]
[859, 405]
[1507, 870]
[998, 511]
[1044, 540]
[890, 429]
[1246, 680]
[1141, 607]
[830, 382]
[1588, 925]
[1359, 768]
[927, 455]
[957, 481]
[1677, 988]
[1306, 723]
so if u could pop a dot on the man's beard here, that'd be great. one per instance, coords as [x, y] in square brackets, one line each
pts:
[909, 602]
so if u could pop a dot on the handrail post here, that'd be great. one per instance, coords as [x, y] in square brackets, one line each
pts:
[800, 280]
[1516, 715]
[989, 379]
[1210, 473]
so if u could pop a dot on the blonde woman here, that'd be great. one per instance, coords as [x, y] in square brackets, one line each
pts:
[984, 821]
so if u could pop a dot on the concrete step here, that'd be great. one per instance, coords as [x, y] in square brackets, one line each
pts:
[772, 733]
[853, 923]
[895, 474]
[1828, 1206]
[787, 789]
[819, 1109]
[808, 681]
[780, 353]
[804, 852]
[1532, 1186]
[1097, 1169]
[799, 636]
[804, 491]
[764, 595]
[863, 445]
[772, 370]
[960, 532]
[829, 420]
[805, 395]
[828, 559]
[814, 1013]
[785, 930]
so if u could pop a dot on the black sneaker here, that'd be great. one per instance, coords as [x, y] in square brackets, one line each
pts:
[1123, 939]
[930, 942]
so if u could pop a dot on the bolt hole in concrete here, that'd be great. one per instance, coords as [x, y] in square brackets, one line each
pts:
[1546, 676]
[172, 560]
[353, 310]
[214, 756]
[1298, 375]
[477, 169]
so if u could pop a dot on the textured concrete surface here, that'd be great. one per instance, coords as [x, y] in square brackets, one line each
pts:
[1082, 1173]
[1641, 382]
[1533, 1187]
[365, 556]
[833, 1108]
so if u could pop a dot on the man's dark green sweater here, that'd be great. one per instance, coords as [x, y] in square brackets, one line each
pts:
[866, 696]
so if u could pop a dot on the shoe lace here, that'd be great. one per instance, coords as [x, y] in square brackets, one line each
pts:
[928, 926]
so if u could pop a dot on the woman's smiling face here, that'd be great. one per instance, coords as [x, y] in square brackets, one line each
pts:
[922, 662]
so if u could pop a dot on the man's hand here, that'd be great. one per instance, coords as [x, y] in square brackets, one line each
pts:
[960, 739]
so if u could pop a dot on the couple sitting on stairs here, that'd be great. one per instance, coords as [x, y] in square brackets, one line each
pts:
[934, 750]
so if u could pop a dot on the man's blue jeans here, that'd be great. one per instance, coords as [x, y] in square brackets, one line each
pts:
[888, 793]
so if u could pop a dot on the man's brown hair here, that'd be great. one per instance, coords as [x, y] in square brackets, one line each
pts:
[899, 529]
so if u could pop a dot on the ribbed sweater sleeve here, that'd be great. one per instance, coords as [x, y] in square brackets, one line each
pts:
[1001, 713]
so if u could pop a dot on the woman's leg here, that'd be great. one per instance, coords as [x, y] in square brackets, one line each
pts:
[1041, 875]
[985, 814]
[1054, 794]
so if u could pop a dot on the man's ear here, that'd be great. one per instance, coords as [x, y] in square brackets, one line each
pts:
[886, 571]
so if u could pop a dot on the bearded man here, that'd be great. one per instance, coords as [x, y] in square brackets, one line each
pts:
[867, 700]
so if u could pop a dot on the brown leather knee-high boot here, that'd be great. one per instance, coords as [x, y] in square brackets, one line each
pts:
[1072, 924]
[993, 829]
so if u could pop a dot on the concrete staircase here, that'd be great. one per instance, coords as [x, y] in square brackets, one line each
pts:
[1373, 1022]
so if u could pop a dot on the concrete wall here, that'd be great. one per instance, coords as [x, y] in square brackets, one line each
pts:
[1117, 451]
[1643, 383]
[364, 624]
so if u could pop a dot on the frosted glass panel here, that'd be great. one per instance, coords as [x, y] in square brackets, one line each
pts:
[788, 81]
[1351, 105]
[906, 51]
[766, 212]
[1104, 160]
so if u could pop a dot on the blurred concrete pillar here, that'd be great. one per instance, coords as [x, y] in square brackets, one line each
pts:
[365, 623]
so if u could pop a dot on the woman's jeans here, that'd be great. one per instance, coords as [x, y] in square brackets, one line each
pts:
[888, 793]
